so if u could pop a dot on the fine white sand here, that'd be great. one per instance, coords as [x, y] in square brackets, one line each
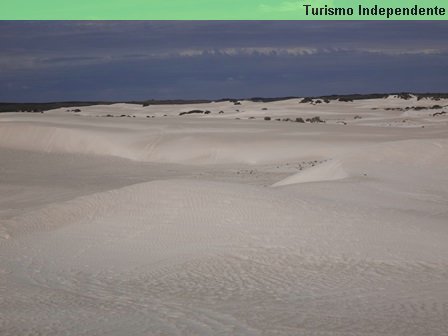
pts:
[225, 223]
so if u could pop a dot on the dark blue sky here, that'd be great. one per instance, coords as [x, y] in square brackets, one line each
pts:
[50, 61]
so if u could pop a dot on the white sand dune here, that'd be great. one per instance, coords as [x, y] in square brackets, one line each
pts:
[177, 142]
[170, 226]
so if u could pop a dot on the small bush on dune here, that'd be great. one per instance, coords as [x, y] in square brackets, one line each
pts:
[345, 100]
[315, 120]
[404, 96]
[438, 113]
[306, 100]
[192, 112]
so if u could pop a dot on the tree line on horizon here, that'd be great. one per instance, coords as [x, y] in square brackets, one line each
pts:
[40, 107]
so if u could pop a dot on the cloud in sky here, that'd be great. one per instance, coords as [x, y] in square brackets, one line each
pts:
[195, 59]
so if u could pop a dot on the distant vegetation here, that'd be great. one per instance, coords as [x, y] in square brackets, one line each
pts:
[414, 108]
[316, 119]
[353, 97]
[40, 107]
[172, 102]
[268, 100]
[194, 112]
[306, 100]
[438, 113]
